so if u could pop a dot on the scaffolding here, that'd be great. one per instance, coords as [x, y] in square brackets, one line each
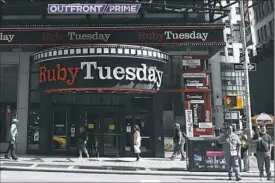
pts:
[212, 9]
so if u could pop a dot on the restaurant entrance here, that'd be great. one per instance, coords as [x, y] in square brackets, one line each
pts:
[103, 127]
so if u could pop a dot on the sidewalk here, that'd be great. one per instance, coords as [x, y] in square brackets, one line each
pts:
[146, 166]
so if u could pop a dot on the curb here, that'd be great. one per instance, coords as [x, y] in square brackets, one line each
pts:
[94, 171]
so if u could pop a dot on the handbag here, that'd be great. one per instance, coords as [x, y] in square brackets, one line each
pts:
[137, 149]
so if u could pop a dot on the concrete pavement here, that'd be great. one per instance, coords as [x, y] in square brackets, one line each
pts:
[17, 176]
[147, 166]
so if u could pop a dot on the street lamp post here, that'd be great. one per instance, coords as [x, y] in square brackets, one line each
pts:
[246, 77]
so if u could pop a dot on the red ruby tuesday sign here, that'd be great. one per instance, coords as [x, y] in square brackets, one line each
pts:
[109, 35]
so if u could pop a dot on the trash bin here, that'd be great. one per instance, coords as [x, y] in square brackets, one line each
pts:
[205, 154]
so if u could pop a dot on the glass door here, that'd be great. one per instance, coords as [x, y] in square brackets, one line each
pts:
[103, 133]
[142, 119]
[59, 136]
[109, 134]
[93, 130]
[78, 118]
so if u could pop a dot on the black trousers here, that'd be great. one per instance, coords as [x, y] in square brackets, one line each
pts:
[11, 150]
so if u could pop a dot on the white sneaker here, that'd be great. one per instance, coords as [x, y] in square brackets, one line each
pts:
[262, 179]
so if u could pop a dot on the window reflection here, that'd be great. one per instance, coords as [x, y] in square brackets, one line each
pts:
[8, 83]
[8, 97]
[33, 130]
[142, 120]
[7, 113]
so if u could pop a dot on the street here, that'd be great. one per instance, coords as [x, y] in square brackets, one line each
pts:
[24, 176]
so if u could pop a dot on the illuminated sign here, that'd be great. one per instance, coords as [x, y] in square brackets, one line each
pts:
[114, 35]
[68, 75]
[93, 8]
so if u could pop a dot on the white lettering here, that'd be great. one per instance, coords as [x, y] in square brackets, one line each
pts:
[195, 113]
[143, 73]
[189, 123]
[95, 36]
[207, 115]
[194, 97]
[119, 73]
[6, 37]
[88, 69]
[108, 75]
[193, 35]
[130, 73]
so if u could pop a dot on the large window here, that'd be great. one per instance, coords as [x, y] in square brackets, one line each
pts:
[8, 97]
[34, 115]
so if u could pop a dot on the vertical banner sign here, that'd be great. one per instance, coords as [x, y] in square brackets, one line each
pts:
[189, 123]
[248, 33]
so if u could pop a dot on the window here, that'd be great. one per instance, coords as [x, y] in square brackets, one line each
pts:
[8, 97]
[256, 14]
[238, 10]
[264, 32]
[230, 51]
[259, 35]
[236, 27]
[271, 28]
[227, 23]
[222, 53]
[262, 10]
[270, 6]
[33, 129]
[241, 50]
[228, 82]
[228, 37]
[34, 82]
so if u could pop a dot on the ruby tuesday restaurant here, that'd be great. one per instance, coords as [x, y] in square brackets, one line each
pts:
[107, 78]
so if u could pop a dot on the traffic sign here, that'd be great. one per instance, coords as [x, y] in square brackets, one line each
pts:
[250, 67]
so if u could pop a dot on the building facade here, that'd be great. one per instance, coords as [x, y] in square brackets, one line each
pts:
[64, 72]
[262, 81]
[225, 80]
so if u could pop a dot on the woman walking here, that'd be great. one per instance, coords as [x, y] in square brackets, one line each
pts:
[137, 141]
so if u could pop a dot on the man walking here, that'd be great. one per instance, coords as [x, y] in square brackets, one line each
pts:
[231, 147]
[13, 136]
[263, 151]
[178, 143]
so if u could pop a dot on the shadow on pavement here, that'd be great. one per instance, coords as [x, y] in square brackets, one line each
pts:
[206, 178]
[117, 161]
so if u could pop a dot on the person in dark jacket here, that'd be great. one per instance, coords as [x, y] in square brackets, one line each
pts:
[178, 143]
[263, 151]
[82, 142]
[12, 143]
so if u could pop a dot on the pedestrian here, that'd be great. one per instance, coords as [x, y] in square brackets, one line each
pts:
[179, 142]
[137, 141]
[238, 132]
[82, 142]
[231, 147]
[263, 151]
[244, 151]
[12, 142]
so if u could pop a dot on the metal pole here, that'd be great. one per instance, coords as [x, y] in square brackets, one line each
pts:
[274, 88]
[246, 75]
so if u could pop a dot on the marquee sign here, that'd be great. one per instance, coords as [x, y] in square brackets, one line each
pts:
[92, 70]
[73, 68]
[113, 35]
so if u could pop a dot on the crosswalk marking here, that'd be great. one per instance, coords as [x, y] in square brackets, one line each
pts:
[149, 181]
